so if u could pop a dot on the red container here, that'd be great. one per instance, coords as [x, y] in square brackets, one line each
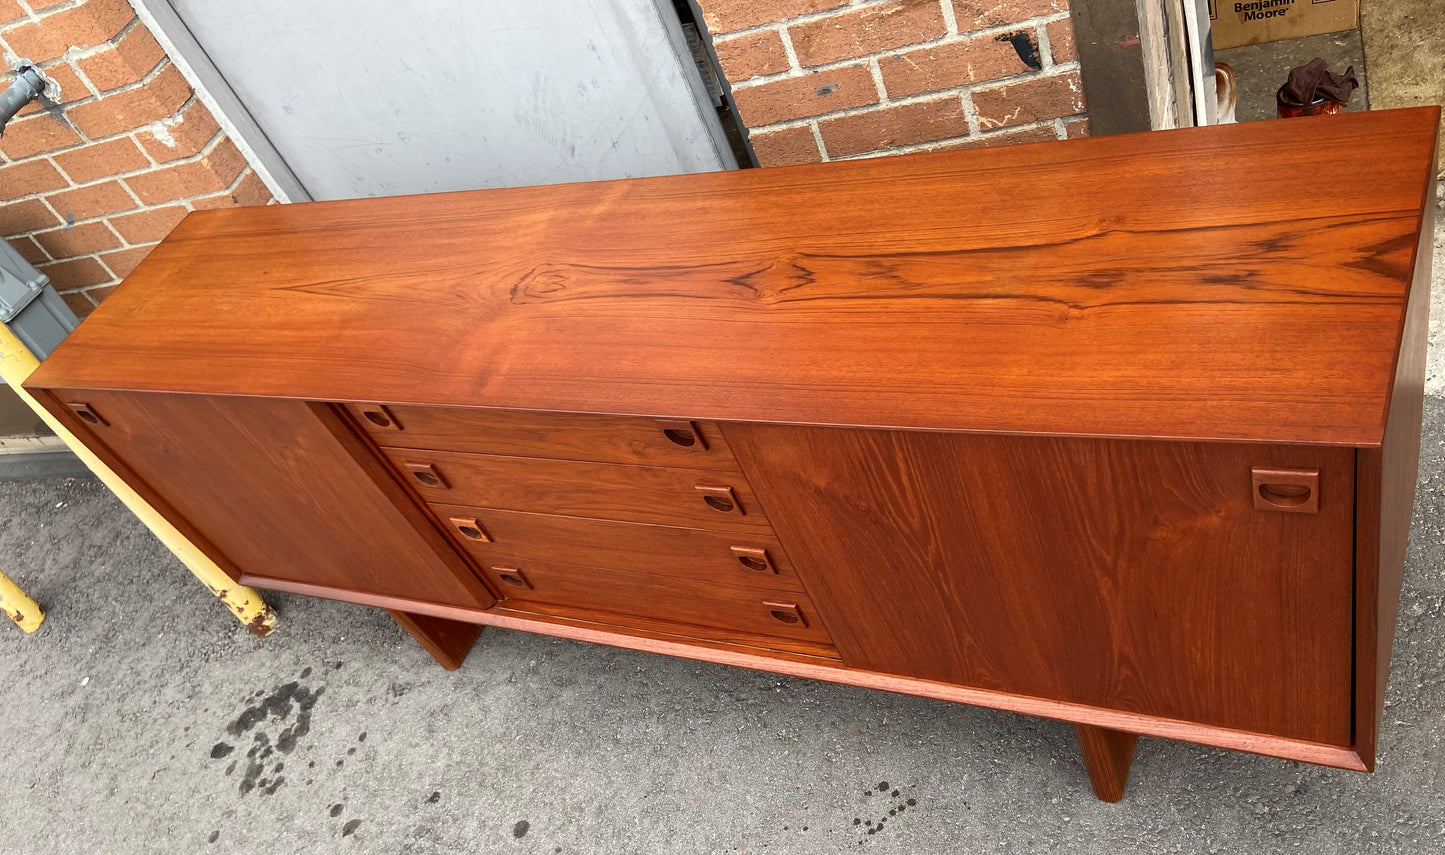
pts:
[1289, 109]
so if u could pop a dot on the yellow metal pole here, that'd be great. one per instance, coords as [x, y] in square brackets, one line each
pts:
[20, 608]
[16, 365]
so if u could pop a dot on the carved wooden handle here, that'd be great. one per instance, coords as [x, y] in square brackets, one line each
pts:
[1295, 491]
[511, 577]
[787, 613]
[721, 499]
[380, 416]
[87, 414]
[426, 473]
[683, 434]
[470, 528]
[754, 559]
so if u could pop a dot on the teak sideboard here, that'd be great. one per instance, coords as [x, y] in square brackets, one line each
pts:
[1118, 431]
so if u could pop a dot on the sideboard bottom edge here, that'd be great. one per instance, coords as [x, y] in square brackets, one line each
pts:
[817, 668]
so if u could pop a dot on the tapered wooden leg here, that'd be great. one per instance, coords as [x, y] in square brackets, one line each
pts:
[448, 641]
[1108, 755]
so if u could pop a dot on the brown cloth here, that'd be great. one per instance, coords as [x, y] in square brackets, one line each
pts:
[1313, 80]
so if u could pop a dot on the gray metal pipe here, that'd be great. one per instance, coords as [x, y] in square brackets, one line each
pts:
[28, 86]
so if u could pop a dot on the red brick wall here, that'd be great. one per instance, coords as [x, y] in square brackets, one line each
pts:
[88, 187]
[818, 80]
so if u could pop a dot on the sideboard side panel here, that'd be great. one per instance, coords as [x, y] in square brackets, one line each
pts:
[1387, 477]
[1135, 576]
[277, 493]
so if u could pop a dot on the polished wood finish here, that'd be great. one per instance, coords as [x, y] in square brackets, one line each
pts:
[1385, 501]
[1295, 491]
[567, 436]
[1107, 755]
[448, 641]
[469, 529]
[1136, 453]
[275, 489]
[939, 291]
[611, 597]
[645, 494]
[708, 556]
[1129, 575]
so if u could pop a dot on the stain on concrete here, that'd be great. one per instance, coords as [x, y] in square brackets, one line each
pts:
[336, 809]
[215, 835]
[262, 708]
[520, 829]
[435, 797]
[888, 802]
[350, 828]
[279, 704]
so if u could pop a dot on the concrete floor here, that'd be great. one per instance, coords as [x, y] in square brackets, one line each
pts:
[1405, 45]
[142, 718]
[1261, 69]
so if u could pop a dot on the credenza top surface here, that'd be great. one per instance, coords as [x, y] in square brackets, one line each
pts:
[1238, 282]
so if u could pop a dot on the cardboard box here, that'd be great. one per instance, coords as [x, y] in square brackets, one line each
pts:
[1248, 22]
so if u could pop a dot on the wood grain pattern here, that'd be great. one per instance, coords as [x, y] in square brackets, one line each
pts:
[687, 553]
[270, 486]
[1385, 501]
[448, 641]
[612, 597]
[1107, 755]
[645, 494]
[565, 436]
[1201, 283]
[1128, 575]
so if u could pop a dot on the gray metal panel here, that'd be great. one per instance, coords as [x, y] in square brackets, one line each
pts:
[375, 97]
[1111, 64]
[29, 305]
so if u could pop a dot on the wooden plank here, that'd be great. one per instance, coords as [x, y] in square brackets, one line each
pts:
[1386, 499]
[1201, 283]
[1136, 576]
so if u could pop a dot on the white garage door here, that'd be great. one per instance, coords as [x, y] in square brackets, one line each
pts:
[383, 97]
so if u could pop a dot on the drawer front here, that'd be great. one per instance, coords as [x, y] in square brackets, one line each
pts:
[610, 596]
[749, 559]
[563, 436]
[609, 491]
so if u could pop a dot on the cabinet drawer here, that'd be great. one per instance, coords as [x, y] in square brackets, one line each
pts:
[750, 559]
[609, 491]
[534, 585]
[563, 436]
